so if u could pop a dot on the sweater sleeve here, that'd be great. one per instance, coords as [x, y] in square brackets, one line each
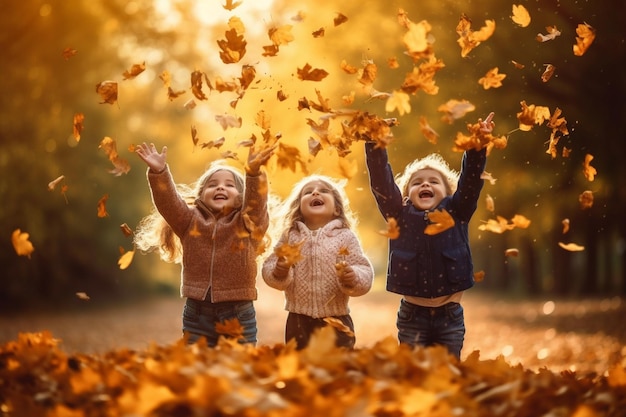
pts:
[168, 202]
[255, 204]
[465, 199]
[386, 192]
[361, 265]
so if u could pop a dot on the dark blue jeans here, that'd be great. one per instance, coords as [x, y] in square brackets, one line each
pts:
[428, 326]
[200, 318]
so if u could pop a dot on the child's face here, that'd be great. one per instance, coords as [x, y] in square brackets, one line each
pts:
[220, 192]
[427, 188]
[317, 204]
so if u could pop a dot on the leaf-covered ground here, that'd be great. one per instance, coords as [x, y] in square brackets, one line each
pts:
[521, 358]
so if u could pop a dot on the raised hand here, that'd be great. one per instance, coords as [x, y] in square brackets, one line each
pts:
[155, 160]
[487, 125]
[257, 159]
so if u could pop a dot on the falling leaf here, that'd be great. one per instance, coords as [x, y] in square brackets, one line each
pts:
[289, 252]
[520, 15]
[440, 220]
[340, 19]
[281, 35]
[79, 118]
[488, 177]
[399, 101]
[393, 231]
[498, 225]
[121, 165]
[307, 73]
[231, 328]
[511, 252]
[548, 72]
[21, 244]
[102, 209]
[190, 104]
[233, 48]
[337, 324]
[417, 39]
[589, 171]
[553, 32]
[107, 91]
[455, 109]
[479, 276]
[572, 247]
[196, 85]
[227, 120]
[82, 296]
[126, 259]
[134, 71]
[520, 221]
[126, 230]
[517, 65]
[489, 203]
[565, 223]
[52, 184]
[469, 39]
[231, 5]
[586, 199]
[428, 132]
[68, 53]
[586, 35]
[492, 79]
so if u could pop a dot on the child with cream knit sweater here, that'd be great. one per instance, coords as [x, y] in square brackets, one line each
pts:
[318, 261]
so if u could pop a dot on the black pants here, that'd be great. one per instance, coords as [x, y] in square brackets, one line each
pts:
[301, 328]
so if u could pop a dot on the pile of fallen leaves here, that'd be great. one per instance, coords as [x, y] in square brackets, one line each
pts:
[38, 379]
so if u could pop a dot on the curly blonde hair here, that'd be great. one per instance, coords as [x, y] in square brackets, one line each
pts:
[153, 233]
[433, 161]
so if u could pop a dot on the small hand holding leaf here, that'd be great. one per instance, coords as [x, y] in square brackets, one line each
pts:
[346, 275]
[487, 125]
[256, 159]
[155, 160]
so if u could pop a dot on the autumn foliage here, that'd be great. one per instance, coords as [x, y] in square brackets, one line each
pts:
[38, 378]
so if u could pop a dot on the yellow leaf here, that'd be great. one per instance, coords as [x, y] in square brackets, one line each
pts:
[393, 231]
[400, 101]
[572, 247]
[520, 15]
[126, 259]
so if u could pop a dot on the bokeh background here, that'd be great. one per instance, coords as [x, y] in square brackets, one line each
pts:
[77, 251]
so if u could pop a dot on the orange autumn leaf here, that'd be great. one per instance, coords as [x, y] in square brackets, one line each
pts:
[572, 247]
[455, 109]
[337, 324]
[339, 19]
[102, 209]
[532, 115]
[289, 252]
[479, 276]
[134, 71]
[68, 53]
[589, 171]
[21, 244]
[77, 126]
[586, 199]
[520, 15]
[289, 157]
[230, 4]
[126, 230]
[518, 65]
[347, 68]
[233, 48]
[520, 221]
[393, 231]
[121, 165]
[469, 39]
[586, 35]
[440, 220]
[82, 296]
[498, 225]
[196, 84]
[417, 39]
[107, 91]
[492, 79]
[231, 328]
[565, 223]
[429, 133]
[308, 73]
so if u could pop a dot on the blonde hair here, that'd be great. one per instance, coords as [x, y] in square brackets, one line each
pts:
[433, 161]
[288, 212]
[153, 233]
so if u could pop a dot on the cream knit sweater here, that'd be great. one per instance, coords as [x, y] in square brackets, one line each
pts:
[312, 287]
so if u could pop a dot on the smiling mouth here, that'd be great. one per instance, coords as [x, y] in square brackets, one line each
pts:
[220, 197]
[316, 203]
[425, 194]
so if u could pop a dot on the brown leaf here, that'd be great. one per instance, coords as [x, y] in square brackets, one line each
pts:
[307, 73]
[107, 91]
[134, 71]
[79, 118]
[102, 208]
[21, 244]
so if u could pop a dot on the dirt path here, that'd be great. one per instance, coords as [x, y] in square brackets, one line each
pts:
[581, 335]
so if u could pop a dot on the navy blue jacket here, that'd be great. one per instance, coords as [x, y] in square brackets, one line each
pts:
[424, 265]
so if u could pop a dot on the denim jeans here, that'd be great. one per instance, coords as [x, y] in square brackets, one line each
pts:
[200, 318]
[428, 326]
[301, 328]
